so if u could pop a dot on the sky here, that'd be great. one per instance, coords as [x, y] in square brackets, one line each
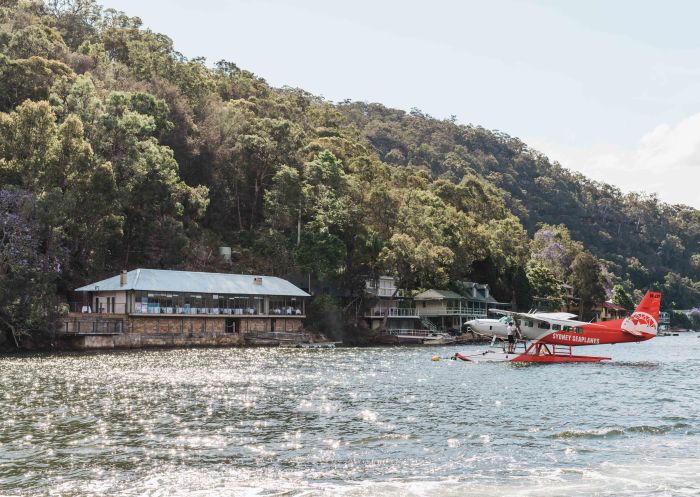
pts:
[607, 88]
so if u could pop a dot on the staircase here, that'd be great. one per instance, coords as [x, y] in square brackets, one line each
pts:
[428, 324]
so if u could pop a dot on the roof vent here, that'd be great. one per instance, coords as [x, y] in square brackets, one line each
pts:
[257, 280]
[123, 278]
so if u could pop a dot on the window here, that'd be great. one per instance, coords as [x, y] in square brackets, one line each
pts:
[567, 328]
[556, 327]
[578, 330]
[543, 325]
[230, 325]
[528, 323]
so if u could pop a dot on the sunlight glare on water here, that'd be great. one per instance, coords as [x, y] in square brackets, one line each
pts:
[352, 422]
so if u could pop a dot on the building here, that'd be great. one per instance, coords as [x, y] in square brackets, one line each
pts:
[446, 310]
[609, 311]
[152, 307]
[390, 310]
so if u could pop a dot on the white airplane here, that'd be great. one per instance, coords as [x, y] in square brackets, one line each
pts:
[547, 330]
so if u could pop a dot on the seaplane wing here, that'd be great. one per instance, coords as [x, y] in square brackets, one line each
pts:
[538, 316]
[522, 315]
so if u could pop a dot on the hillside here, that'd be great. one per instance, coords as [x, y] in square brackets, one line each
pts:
[116, 152]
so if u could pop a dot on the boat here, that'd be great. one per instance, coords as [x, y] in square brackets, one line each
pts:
[439, 339]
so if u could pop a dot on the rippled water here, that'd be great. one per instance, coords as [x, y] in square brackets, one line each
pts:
[382, 421]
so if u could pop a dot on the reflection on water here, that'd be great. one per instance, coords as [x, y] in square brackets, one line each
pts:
[384, 421]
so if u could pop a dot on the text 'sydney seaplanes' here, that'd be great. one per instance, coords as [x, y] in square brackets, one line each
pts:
[549, 336]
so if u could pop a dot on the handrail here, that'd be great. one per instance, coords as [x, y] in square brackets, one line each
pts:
[452, 311]
[393, 312]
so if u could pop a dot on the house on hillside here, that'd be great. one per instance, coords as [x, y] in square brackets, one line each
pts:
[390, 310]
[152, 307]
[608, 311]
[447, 310]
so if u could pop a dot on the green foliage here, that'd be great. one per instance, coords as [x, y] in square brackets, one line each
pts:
[132, 154]
[620, 297]
[544, 284]
[587, 281]
[681, 320]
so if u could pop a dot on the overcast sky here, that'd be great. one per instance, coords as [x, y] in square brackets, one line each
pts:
[608, 88]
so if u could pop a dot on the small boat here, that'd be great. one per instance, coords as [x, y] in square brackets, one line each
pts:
[438, 339]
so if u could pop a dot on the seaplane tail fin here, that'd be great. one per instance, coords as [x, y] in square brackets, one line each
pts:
[645, 318]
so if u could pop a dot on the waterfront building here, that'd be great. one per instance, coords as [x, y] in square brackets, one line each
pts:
[609, 311]
[445, 310]
[391, 311]
[146, 307]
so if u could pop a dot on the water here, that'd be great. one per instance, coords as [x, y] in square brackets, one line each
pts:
[353, 422]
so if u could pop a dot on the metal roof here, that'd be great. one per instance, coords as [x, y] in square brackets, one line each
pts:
[433, 294]
[161, 280]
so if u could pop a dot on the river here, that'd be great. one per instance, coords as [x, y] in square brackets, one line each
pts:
[352, 422]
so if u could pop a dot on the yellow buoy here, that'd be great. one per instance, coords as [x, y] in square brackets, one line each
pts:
[435, 358]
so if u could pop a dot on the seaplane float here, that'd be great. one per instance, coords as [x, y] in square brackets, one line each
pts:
[549, 337]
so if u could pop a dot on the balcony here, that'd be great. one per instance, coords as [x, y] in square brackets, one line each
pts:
[470, 312]
[140, 309]
[392, 312]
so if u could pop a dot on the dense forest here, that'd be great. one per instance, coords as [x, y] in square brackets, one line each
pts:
[116, 152]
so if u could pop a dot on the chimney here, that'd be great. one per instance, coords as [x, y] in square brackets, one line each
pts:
[123, 278]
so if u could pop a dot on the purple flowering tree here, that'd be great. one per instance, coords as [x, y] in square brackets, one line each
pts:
[30, 263]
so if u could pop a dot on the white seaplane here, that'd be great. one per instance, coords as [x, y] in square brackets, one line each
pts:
[550, 336]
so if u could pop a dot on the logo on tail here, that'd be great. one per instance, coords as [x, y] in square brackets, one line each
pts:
[645, 318]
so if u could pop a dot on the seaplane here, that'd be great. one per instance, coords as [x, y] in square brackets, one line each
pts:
[549, 337]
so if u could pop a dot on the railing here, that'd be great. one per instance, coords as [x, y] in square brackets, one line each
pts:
[429, 324]
[151, 309]
[453, 311]
[105, 307]
[187, 310]
[393, 312]
[385, 292]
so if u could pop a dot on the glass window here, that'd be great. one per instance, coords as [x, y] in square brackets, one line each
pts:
[543, 325]
[578, 330]
[567, 328]
[556, 327]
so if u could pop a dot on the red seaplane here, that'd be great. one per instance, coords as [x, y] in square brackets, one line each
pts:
[549, 336]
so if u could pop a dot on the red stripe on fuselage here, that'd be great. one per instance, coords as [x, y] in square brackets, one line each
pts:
[594, 334]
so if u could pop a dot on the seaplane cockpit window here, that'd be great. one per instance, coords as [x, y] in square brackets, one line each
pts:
[528, 323]
[504, 320]
[556, 327]
[543, 325]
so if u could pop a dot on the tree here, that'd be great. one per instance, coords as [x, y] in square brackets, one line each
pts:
[31, 261]
[587, 281]
[544, 284]
[620, 297]
[508, 251]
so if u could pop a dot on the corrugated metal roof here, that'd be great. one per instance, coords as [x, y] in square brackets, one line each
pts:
[160, 280]
[433, 294]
